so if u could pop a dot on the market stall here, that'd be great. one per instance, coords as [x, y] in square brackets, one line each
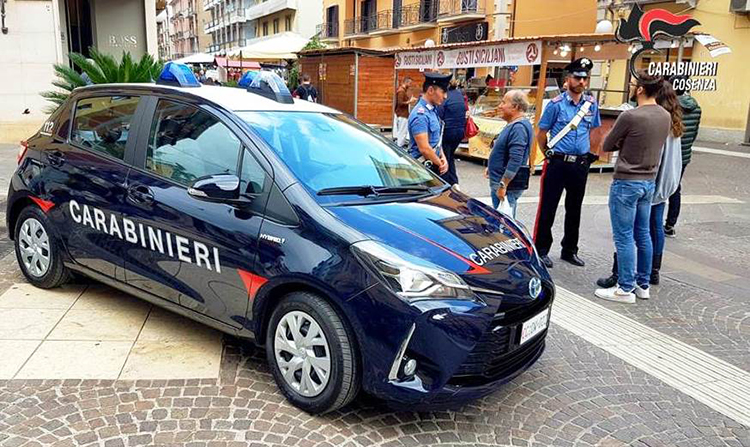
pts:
[525, 64]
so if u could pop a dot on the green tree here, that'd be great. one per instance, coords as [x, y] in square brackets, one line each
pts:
[313, 44]
[100, 69]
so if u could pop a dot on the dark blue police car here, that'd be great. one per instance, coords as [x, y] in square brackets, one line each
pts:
[285, 222]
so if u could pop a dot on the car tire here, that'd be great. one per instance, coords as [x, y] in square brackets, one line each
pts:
[313, 314]
[33, 233]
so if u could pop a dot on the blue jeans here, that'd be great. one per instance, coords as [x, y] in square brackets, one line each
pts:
[511, 196]
[630, 211]
[657, 228]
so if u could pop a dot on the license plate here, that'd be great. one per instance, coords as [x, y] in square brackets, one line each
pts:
[534, 325]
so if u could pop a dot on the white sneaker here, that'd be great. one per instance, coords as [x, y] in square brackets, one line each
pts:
[642, 293]
[616, 294]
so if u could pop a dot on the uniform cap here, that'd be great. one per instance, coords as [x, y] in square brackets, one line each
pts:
[580, 67]
[437, 79]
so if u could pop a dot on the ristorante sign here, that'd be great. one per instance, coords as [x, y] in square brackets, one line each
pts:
[517, 53]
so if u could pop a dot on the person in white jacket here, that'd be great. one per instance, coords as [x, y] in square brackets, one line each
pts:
[667, 181]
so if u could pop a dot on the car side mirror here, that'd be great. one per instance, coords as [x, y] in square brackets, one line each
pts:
[217, 188]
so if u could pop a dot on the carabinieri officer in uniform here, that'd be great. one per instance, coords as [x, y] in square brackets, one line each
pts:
[425, 127]
[564, 134]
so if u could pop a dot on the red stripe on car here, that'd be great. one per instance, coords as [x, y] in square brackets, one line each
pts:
[252, 282]
[45, 205]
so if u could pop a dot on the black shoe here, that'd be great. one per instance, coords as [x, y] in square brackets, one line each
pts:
[669, 231]
[546, 261]
[606, 283]
[573, 259]
[655, 267]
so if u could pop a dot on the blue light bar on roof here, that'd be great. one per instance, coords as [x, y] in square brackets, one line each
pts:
[247, 79]
[270, 85]
[179, 75]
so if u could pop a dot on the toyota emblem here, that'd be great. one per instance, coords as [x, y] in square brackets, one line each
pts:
[535, 287]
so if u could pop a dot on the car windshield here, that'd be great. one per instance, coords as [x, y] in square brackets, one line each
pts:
[326, 150]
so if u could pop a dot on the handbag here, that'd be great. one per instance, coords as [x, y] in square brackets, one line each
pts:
[471, 128]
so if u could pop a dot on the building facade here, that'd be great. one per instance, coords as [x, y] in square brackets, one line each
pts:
[404, 23]
[42, 33]
[164, 34]
[188, 33]
[233, 24]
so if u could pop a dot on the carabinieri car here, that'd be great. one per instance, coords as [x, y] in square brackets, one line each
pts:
[287, 223]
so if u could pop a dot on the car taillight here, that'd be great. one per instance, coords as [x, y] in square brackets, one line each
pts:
[22, 151]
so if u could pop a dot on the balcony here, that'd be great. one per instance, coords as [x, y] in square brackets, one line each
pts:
[208, 4]
[237, 16]
[384, 22]
[328, 31]
[415, 17]
[262, 9]
[454, 11]
[355, 28]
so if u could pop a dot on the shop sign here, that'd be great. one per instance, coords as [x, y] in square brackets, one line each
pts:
[517, 53]
[474, 32]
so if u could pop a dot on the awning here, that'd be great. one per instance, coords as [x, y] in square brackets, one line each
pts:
[229, 63]
[272, 48]
[197, 58]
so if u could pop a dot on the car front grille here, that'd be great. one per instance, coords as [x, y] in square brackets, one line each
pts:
[495, 356]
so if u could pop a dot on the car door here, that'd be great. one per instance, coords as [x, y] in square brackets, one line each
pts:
[198, 253]
[87, 176]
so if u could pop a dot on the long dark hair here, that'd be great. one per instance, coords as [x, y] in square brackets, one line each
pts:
[667, 98]
[652, 85]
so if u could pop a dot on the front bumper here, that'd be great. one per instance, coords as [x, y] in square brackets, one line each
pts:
[464, 350]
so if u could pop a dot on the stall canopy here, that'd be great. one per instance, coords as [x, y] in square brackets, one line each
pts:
[197, 58]
[272, 48]
[229, 63]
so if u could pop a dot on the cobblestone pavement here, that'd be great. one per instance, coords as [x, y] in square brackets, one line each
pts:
[577, 394]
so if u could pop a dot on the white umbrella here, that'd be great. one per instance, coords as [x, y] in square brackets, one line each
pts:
[197, 58]
[276, 47]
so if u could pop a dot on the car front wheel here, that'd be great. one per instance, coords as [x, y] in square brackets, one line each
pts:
[37, 250]
[312, 354]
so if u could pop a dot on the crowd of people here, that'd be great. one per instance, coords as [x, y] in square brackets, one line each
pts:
[653, 139]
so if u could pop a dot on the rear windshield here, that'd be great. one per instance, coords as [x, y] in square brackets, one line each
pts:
[334, 150]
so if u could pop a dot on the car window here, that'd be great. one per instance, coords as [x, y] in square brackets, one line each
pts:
[333, 150]
[103, 123]
[252, 177]
[186, 143]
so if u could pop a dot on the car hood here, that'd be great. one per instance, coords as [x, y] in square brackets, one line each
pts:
[453, 231]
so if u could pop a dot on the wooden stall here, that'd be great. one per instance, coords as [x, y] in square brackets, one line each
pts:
[357, 81]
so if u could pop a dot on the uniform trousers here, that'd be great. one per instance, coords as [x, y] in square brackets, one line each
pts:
[451, 139]
[559, 176]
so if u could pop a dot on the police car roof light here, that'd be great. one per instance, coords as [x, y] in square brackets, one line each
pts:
[179, 75]
[271, 86]
[247, 79]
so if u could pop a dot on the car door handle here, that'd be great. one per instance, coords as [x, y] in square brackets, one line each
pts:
[140, 194]
[55, 158]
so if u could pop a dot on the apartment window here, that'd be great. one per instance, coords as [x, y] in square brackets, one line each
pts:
[288, 23]
[275, 26]
[265, 28]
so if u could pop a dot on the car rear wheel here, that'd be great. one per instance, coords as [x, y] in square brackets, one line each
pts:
[312, 354]
[37, 250]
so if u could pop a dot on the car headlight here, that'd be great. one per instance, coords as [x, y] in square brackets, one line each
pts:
[408, 276]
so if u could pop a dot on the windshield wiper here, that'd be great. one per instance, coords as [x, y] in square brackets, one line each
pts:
[370, 190]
